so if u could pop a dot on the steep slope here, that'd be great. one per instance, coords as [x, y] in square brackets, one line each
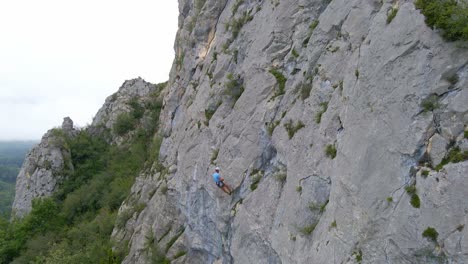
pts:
[329, 119]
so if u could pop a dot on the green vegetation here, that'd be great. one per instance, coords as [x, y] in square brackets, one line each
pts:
[415, 201]
[356, 73]
[330, 151]
[320, 207]
[424, 173]
[211, 111]
[455, 155]
[75, 224]
[465, 134]
[431, 234]
[158, 257]
[174, 239]
[271, 127]
[358, 256]
[235, 7]
[164, 189]
[333, 49]
[312, 27]
[292, 129]
[333, 224]
[180, 254]
[299, 189]
[124, 123]
[281, 80]
[233, 87]
[179, 60]
[430, 103]
[255, 180]
[305, 90]
[389, 199]
[236, 24]
[318, 116]
[281, 177]
[294, 53]
[308, 229]
[450, 16]
[392, 14]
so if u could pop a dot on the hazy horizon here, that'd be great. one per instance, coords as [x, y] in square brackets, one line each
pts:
[60, 59]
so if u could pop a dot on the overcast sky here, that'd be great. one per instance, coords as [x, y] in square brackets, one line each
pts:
[63, 58]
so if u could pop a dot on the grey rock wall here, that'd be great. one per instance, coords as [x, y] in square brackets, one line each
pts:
[391, 98]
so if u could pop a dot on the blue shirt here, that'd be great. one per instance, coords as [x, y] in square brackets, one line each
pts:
[216, 177]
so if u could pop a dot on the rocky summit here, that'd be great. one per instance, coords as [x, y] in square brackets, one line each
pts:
[341, 126]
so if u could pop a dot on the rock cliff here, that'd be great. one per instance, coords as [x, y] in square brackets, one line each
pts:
[329, 120]
[341, 126]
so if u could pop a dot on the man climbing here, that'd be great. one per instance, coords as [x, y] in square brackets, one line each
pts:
[220, 182]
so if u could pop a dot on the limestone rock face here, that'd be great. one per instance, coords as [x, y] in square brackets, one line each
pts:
[43, 168]
[319, 114]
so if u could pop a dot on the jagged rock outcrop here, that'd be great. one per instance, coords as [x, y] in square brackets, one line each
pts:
[135, 92]
[43, 168]
[50, 161]
[319, 113]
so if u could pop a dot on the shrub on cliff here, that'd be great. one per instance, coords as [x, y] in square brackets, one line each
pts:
[450, 16]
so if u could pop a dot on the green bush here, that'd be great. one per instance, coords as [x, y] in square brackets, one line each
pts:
[236, 24]
[294, 53]
[124, 123]
[308, 229]
[271, 127]
[299, 189]
[318, 207]
[292, 129]
[430, 233]
[425, 173]
[455, 155]
[318, 116]
[255, 180]
[305, 91]
[392, 14]
[450, 16]
[233, 87]
[430, 103]
[466, 134]
[358, 256]
[137, 109]
[312, 27]
[330, 151]
[281, 177]
[281, 80]
[415, 201]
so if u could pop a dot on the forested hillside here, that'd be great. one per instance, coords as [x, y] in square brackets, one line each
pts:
[74, 225]
[12, 154]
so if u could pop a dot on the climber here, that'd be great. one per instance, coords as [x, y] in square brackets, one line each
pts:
[220, 182]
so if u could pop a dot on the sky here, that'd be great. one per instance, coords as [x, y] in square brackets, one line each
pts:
[62, 58]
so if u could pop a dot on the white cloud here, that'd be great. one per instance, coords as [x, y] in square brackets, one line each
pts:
[63, 58]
